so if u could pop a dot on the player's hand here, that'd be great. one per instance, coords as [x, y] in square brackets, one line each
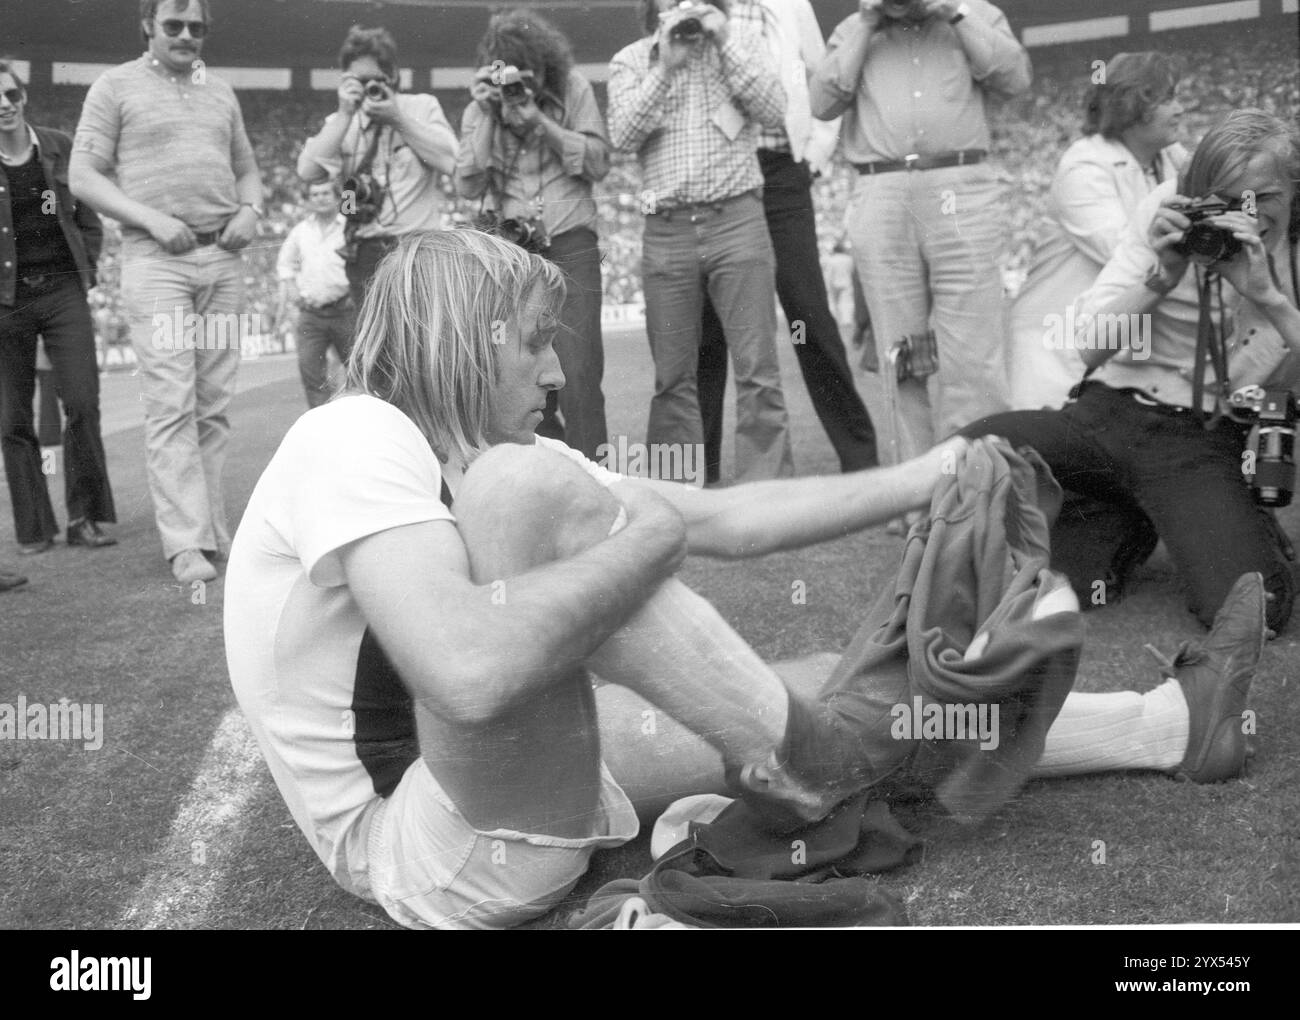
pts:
[383, 111]
[351, 95]
[1166, 230]
[646, 509]
[174, 235]
[239, 230]
[483, 91]
[1248, 270]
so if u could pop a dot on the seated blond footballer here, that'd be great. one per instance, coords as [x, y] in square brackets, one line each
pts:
[422, 590]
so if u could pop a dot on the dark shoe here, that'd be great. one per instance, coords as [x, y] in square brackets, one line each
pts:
[1215, 676]
[35, 548]
[9, 581]
[87, 533]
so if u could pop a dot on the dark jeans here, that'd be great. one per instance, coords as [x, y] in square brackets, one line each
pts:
[1153, 467]
[318, 331]
[59, 314]
[369, 253]
[787, 205]
[579, 345]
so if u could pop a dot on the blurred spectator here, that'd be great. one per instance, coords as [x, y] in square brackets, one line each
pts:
[1132, 120]
[385, 148]
[790, 157]
[48, 247]
[531, 149]
[911, 78]
[186, 211]
[314, 280]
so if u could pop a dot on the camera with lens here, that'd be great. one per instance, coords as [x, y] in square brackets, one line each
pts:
[515, 85]
[1205, 240]
[529, 233]
[1271, 447]
[689, 28]
[378, 90]
[363, 198]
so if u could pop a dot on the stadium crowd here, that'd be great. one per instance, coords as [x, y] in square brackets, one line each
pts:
[1250, 66]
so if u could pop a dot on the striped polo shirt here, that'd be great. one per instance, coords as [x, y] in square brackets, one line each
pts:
[174, 142]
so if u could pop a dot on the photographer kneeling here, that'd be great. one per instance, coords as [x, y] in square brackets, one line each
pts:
[1180, 367]
[385, 148]
[532, 145]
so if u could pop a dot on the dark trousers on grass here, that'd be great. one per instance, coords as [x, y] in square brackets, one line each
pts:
[59, 313]
[787, 205]
[1152, 470]
[319, 329]
[579, 345]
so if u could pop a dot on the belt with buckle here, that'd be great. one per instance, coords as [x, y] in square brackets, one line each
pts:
[912, 161]
[38, 281]
[337, 303]
[695, 212]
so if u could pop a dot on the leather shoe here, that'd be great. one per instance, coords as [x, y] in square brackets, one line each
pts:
[1215, 676]
[87, 533]
[190, 565]
[35, 548]
[10, 580]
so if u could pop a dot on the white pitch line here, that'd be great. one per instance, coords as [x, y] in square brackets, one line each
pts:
[204, 833]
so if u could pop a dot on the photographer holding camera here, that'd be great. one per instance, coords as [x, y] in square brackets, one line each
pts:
[532, 146]
[689, 99]
[385, 148]
[1190, 335]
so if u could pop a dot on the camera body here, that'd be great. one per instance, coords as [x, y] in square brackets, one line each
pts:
[530, 234]
[1271, 448]
[363, 198]
[377, 90]
[1205, 240]
[515, 85]
[689, 28]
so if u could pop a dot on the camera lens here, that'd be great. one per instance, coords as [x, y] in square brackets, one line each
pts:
[376, 90]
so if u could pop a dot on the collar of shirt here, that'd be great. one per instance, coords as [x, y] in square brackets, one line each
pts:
[32, 143]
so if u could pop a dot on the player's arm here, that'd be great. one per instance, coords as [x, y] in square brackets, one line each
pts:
[469, 654]
[766, 517]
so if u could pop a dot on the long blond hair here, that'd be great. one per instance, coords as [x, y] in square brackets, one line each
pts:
[433, 317]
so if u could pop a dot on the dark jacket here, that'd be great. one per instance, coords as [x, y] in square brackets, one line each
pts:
[81, 227]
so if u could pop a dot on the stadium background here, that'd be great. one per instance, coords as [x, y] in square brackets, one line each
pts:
[279, 55]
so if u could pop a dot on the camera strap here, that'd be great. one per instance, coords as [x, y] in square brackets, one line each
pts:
[1210, 346]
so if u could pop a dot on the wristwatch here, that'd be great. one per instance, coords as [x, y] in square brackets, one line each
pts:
[1157, 282]
[963, 9]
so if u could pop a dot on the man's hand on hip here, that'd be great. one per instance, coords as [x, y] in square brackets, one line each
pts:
[239, 231]
[173, 234]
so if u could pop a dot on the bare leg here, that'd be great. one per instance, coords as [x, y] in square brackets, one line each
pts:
[537, 769]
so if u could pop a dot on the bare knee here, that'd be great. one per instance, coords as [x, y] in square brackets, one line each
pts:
[516, 494]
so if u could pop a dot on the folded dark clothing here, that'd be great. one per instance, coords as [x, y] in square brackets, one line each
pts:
[976, 567]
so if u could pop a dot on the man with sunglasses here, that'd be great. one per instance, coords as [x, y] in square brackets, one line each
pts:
[48, 248]
[184, 185]
[386, 148]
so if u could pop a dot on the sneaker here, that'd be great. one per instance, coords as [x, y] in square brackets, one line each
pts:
[191, 565]
[1215, 676]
